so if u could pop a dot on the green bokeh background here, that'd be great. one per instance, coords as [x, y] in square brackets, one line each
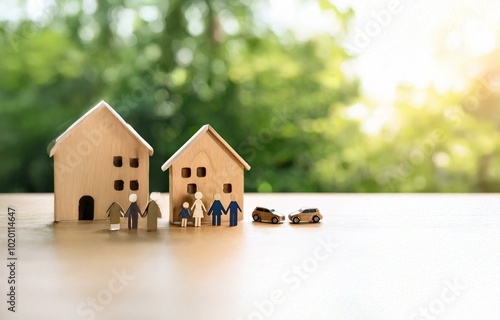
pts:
[281, 102]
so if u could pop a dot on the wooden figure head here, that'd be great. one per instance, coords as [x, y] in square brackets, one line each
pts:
[154, 196]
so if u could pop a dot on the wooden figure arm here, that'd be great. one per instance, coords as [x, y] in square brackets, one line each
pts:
[145, 213]
[122, 212]
[121, 209]
[139, 210]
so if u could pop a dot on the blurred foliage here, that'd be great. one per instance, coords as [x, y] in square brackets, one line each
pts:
[285, 105]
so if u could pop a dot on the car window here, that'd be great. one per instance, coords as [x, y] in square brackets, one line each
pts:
[259, 209]
[313, 210]
[265, 210]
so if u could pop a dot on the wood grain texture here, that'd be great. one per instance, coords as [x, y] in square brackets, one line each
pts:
[84, 165]
[392, 255]
[207, 152]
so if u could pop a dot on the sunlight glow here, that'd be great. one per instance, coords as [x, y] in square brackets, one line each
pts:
[425, 43]
[10, 11]
[441, 159]
[89, 6]
[125, 21]
[304, 18]
[39, 10]
[372, 119]
[357, 111]
[149, 13]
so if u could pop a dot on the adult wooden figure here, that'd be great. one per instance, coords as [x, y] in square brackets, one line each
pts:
[233, 209]
[216, 210]
[115, 212]
[152, 212]
[198, 209]
[133, 212]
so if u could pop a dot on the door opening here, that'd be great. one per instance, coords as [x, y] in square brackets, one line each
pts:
[86, 208]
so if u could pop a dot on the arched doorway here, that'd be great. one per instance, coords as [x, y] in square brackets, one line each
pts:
[86, 208]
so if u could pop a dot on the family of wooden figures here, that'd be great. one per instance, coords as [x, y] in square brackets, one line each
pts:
[152, 212]
[216, 211]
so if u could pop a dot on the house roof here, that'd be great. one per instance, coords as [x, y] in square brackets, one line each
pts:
[216, 136]
[98, 106]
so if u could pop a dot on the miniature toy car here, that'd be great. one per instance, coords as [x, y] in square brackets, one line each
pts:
[264, 214]
[305, 214]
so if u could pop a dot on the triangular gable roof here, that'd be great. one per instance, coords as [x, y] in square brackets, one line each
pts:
[210, 130]
[98, 106]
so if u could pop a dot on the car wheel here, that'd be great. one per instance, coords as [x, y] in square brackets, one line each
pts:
[316, 219]
[296, 220]
[274, 220]
[256, 217]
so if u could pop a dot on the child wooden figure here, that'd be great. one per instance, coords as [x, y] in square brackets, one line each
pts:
[233, 209]
[185, 214]
[198, 209]
[152, 212]
[216, 210]
[115, 212]
[133, 212]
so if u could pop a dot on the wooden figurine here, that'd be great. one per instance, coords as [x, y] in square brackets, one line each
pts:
[265, 214]
[133, 212]
[305, 215]
[98, 160]
[115, 212]
[233, 209]
[152, 212]
[198, 209]
[205, 162]
[216, 210]
[185, 214]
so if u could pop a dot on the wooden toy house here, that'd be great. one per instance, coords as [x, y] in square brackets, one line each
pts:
[98, 160]
[208, 164]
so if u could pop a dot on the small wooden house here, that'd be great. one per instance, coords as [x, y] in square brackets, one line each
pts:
[208, 164]
[98, 160]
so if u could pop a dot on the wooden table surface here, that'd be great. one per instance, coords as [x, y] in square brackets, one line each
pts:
[372, 257]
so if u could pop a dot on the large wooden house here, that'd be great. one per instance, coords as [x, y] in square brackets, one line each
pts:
[208, 164]
[98, 160]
